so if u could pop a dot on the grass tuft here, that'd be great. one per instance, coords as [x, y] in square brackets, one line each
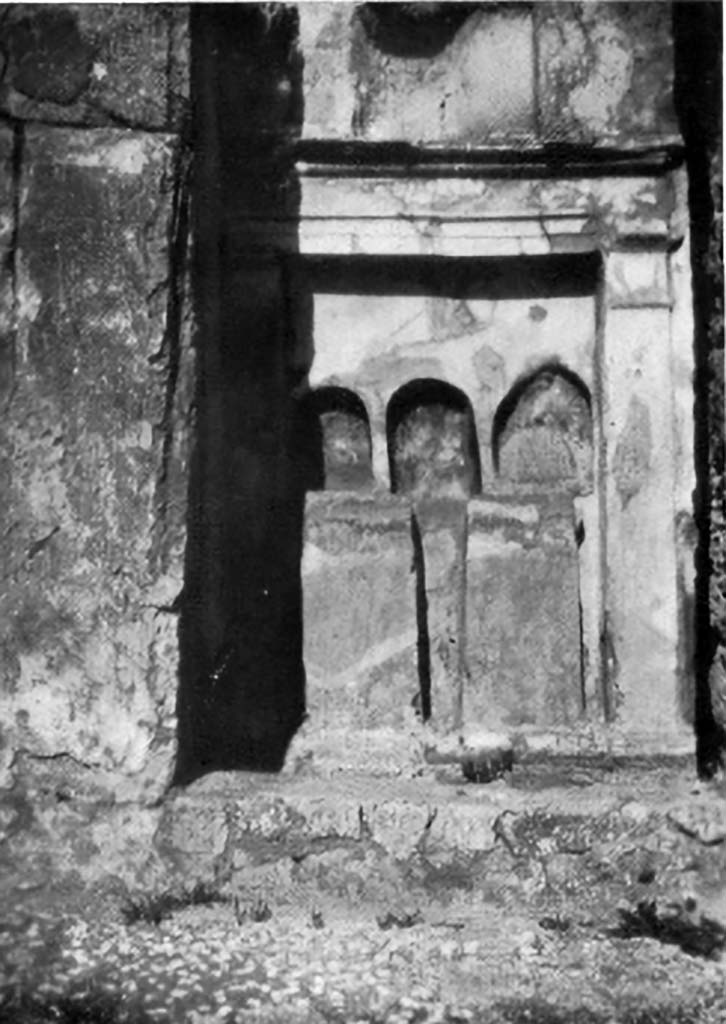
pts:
[153, 908]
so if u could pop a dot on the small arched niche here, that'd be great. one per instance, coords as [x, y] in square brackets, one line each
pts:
[336, 437]
[432, 443]
[542, 431]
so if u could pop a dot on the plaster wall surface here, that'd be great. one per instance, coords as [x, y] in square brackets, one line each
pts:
[523, 618]
[506, 75]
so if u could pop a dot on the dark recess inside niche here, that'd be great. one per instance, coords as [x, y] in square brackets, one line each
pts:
[333, 439]
[432, 445]
[540, 424]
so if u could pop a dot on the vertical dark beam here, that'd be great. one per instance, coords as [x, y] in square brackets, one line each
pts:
[201, 614]
[241, 693]
[698, 92]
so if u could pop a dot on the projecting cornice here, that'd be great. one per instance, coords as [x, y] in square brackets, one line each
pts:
[398, 159]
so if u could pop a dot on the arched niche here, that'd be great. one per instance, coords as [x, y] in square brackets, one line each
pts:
[432, 443]
[542, 431]
[336, 438]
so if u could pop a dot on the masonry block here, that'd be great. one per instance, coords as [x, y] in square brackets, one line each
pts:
[88, 660]
[523, 616]
[359, 611]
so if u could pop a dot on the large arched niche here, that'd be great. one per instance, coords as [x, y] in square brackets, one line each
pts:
[542, 433]
[432, 442]
[334, 440]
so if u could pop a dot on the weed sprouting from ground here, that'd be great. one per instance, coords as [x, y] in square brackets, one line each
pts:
[705, 938]
[153, 908]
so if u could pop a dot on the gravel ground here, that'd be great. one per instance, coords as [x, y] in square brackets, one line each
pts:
[335, 964]
[596, 902]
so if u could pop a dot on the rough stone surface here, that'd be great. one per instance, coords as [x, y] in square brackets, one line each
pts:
[423, 898]
[91, 455]
[48, 58]
[8, 196]
[88, 64]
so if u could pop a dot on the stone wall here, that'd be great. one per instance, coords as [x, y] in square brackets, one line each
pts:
[543, 132]
[96, 385]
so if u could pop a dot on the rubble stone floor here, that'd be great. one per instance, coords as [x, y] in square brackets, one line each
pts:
[628, 926]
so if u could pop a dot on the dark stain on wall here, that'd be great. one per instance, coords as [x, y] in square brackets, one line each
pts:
[48, 58]
[631, 461]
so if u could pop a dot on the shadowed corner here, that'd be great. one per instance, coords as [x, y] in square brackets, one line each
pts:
[697, 31]
[241, 693]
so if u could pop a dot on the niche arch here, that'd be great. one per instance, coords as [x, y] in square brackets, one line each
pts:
[542, 432]
[335, 435]
[432, 443]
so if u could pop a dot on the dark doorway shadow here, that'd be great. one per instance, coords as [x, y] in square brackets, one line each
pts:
[241, 691]
[697, 31]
